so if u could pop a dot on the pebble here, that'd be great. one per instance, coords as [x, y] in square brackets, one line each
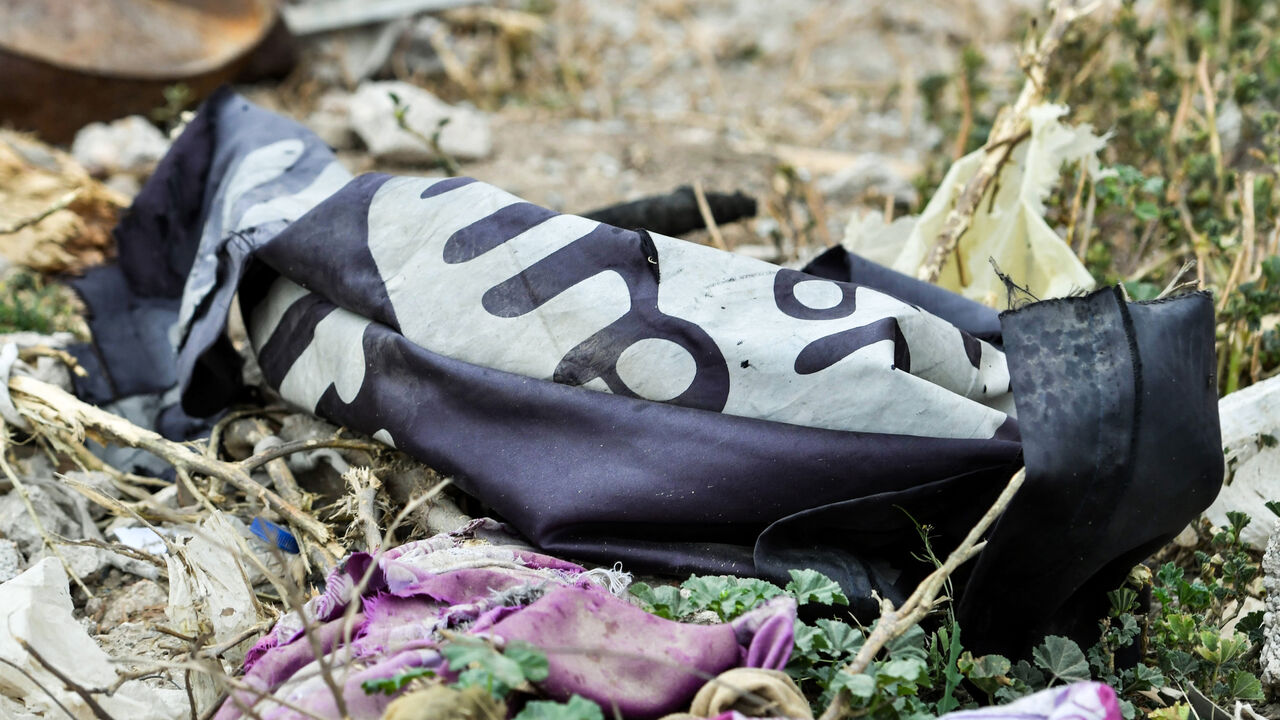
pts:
[128, 145]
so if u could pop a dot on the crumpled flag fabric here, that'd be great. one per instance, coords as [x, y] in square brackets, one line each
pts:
[597, 645]
[622, 396]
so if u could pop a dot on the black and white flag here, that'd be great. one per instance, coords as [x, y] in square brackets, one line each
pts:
[620, 395]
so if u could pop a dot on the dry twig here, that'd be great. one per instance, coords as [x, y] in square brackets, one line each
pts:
[895, 621]
[55, 411]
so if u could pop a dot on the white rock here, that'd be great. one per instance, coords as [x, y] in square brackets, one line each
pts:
[84, 561]
[130, 144]
[1250, 420]
[467, 135]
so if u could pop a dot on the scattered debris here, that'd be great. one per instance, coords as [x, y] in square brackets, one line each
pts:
[328, 15]
[331, 120]
[405, 605]
[870, 174]
[676, 213]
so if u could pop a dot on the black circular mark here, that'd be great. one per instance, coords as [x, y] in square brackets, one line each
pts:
[784, 294]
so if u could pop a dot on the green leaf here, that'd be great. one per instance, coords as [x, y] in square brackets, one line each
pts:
[951, 675]
[861, 686]
[841, 638]
[1274, 507]
[726, 595]
[482, 666]
[1251, 626]
[989, 666]
[908, 670]
[1028, 675]
[1244, 686]
[664, 601]
[808, 639]
[1062, 659]
[577, 708]
[811, 586]
[1143, 677]
[532, 661]
[1239, 520]
[1123, 601]
[910, 644]
[1146, 211]
[395, 683]
[989, 672]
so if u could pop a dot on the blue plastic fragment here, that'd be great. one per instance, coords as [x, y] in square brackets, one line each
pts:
[273, 533]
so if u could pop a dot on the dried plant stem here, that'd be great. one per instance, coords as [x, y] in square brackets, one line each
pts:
[45, 403]
[708, 219]
[895, 621]
[281, 477]
[297, 446]
[1011, 126]
[364, 488]
[60, 204]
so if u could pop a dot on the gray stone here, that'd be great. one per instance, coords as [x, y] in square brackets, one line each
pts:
[132, 602]
[11, 561]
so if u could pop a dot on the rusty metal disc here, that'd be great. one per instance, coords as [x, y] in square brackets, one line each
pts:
[66, 63]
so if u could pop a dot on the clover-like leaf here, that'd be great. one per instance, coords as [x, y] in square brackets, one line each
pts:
[811, 586]
[1062, 659]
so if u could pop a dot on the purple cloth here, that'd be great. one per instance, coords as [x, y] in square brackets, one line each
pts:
[1078, 701]
[597, 645]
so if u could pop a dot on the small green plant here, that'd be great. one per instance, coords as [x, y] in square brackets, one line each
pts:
[1151, 659]
[498, 672]
[29, 303]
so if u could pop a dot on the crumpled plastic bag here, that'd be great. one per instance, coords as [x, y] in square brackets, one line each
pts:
[1011, 230]
[210, 590]
[36, 607]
